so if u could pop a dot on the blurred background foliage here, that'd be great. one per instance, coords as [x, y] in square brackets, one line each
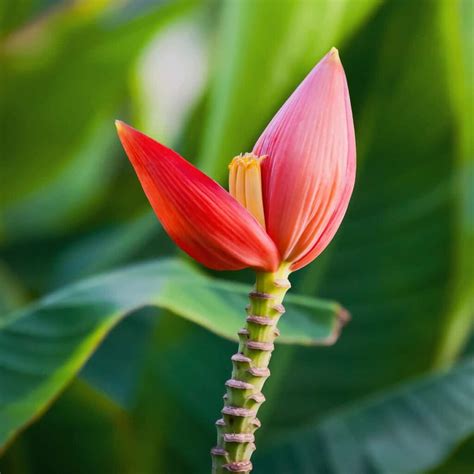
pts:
[394, 395]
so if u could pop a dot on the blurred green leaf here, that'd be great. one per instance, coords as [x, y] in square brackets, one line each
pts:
[44, 346]
[405, 431]
[88, 432]
[107, 247]
[460, 460]
[265, 49]
[11, 292]
[457, 26]
[64, 78]
[72, 192]
[117, 365]
[45, 264]
[15, 12]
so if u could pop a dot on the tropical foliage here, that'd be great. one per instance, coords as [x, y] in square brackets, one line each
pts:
[83, 388]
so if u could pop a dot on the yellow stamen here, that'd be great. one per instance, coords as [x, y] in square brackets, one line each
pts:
[245, 184]
[240, 184]
[232, 178]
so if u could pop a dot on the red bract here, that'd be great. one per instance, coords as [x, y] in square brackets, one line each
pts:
[199, 215]
[297, 183]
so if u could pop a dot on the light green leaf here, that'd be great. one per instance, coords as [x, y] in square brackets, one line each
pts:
[405, 431]
[457, 25]
[44, 346]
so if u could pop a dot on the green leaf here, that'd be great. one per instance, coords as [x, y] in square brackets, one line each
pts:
[460, 461]
[265, 50]
[408, 430]
[118, 363]
[44, 346]
[57, 114]
[457, 24]
[109, 247]
[15, 12]
[88, 432]
[11, 293]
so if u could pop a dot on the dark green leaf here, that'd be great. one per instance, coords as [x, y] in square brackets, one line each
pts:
[406, 431]
[87, 431]
[460, 461]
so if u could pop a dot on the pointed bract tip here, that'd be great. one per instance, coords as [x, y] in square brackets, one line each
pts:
[125, 130]
[334, 55]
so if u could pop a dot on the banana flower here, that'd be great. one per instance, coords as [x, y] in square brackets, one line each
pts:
[286, 201]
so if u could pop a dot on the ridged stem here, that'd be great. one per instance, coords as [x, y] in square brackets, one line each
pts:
[243, 398]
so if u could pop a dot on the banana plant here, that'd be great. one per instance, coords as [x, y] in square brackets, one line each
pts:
[124, 371]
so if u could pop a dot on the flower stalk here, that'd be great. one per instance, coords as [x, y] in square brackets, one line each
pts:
[243, 397]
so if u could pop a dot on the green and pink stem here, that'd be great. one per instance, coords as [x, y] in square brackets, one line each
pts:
[243, 397]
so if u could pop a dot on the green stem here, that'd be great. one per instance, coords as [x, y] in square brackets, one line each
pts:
[243, 398]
